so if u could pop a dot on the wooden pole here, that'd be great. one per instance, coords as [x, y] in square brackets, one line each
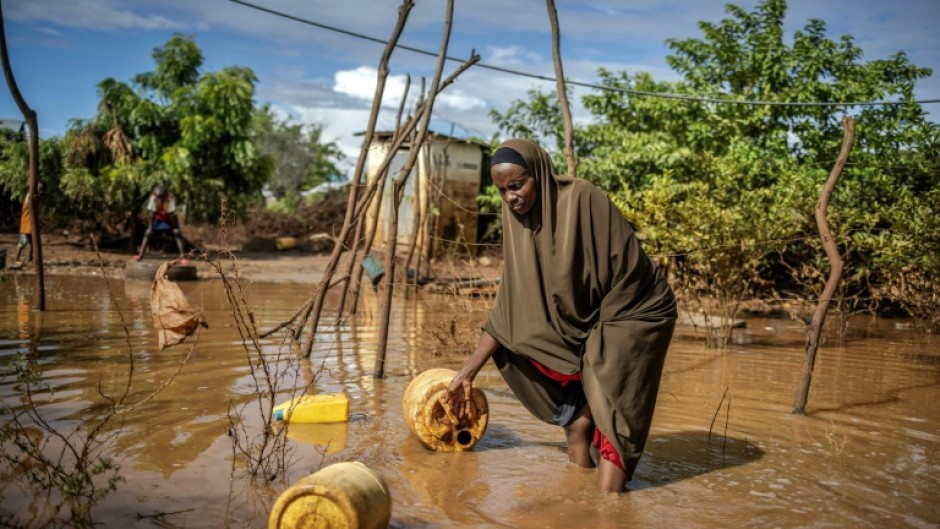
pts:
[835, 274]
[32, 123]
[313, 314]
[419, 212]
[362, 246]
[340, 245]
[402, 133]
[372, 229]
[432, 204]
[388, 280]
[562, 91]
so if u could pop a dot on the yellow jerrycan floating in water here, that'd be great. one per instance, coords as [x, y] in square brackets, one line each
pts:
[346, 495]
[322, 407]
[432, 421]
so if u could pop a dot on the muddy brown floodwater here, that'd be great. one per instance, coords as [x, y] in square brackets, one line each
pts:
[866, 455]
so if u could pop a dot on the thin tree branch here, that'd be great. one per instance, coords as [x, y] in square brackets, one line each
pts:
[562, 91]
[835, 274]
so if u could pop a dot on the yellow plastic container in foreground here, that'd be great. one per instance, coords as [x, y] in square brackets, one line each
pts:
[346, 495]
[323, 407]
[433, 422]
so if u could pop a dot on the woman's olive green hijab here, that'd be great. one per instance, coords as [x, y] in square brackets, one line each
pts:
[579, 294]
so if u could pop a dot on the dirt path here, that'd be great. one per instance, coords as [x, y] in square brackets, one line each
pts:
[62, 257]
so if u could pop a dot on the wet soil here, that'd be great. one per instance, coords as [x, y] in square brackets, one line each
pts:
[67, 256]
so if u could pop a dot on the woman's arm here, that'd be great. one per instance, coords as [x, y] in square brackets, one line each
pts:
[461, 387]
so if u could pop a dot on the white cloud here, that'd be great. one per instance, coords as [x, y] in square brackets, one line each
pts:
[360, 83]
[50, 32]
[457, 100]
[88, 14]
[343, 109]
[341, 125]
[511, 55]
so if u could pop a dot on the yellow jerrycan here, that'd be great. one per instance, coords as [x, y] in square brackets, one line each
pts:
[432, 421]
[318, 408]
[346, 495]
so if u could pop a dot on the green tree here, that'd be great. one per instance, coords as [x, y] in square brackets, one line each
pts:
[301, 159]
[725, 192]
[14, 177]
[176, 125]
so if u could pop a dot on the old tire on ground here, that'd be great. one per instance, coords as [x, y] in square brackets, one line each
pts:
[146, 270]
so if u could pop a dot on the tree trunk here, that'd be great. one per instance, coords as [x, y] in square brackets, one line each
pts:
[317, 306]
[835, 274]
[32, 123]
[562, 92]
[388, 280]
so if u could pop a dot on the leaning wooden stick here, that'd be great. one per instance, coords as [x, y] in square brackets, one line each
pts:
[357, 242]
[835, 274]
[313, 315]
[417, 220]
[562, 91]
[416, 146]
[341, 241]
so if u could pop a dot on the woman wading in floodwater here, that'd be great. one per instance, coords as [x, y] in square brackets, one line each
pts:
[582, 320]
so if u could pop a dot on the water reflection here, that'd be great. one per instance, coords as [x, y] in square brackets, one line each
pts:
[329, 438]
[724, 449]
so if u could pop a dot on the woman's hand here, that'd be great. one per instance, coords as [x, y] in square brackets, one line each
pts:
[459, 395]
[460, 391]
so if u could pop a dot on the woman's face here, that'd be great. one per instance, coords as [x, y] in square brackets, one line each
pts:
[516, 186]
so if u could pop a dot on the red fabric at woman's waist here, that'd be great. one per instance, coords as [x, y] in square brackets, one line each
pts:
[555, 375]
[605, 447]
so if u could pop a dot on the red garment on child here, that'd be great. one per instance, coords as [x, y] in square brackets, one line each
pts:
[604, 447]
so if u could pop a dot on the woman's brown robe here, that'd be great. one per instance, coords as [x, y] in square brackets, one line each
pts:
[578, 294]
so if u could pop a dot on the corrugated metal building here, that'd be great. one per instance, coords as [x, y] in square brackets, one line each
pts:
[447, 179]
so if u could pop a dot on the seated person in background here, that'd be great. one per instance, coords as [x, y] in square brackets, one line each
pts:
[162, 207]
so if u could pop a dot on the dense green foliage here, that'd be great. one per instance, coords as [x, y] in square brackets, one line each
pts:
[302, 160]
[175, 125]
[198, 133]
[724, 193]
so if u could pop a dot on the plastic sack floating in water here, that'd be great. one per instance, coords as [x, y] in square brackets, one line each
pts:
[173, 317]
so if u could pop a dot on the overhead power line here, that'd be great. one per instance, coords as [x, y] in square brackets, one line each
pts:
[583, 84]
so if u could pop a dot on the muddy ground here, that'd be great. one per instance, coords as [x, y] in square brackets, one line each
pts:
[77, 249]
[256, 258]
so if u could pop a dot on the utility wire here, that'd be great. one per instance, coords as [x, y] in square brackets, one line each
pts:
[645, 93]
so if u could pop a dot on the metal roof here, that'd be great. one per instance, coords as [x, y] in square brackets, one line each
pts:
[16, 125]
[385, 135]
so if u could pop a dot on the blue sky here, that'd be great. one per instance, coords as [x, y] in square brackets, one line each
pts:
[61, 49]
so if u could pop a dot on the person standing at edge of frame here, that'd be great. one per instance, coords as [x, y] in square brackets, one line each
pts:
[26, 229]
